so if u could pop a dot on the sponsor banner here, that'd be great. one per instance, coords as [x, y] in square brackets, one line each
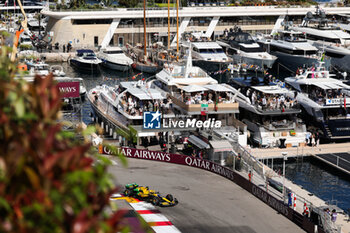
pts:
[270, 200]
[69, 89]
[338, 101]
[174, 158]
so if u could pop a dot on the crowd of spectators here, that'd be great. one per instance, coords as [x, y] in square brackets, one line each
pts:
[136, 107]
[206, 98]
[320, 95]
[270, 101]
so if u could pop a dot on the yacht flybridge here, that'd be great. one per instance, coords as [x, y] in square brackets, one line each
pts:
[193, 91]
[324, 36]
[270, 112]
[291, 48]
[115, 58]
[326, 101]
[124, 104]
[242, 47]
[208, 55]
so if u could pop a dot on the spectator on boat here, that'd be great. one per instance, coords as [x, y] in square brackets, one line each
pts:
[263, 102]
[317, 139]
[254, 98]
[308, 137]
[313, 141]
[248, 92]
[150, 106]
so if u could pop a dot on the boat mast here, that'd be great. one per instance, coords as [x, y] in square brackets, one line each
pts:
[144, 30]
[177, 29]
[168, 24]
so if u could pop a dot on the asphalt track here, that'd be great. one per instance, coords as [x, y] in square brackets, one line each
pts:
[208, 203]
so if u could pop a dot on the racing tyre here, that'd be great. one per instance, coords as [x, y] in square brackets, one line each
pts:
[176, 201]
[127, 192]
[155, 201]
[169, 197]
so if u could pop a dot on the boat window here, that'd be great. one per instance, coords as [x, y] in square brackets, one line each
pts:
[243, 38]
[252, 50]
[209, 50]
[114, 52]
[90, 56]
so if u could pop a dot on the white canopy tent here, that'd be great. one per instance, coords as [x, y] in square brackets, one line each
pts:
[193, 88]
[217, 88]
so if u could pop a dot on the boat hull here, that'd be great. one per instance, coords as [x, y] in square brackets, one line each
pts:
[115, 66]
[84, 67]
[266, 63]
[211, 66]
[144, 68]
[341, 64]
[293, 62]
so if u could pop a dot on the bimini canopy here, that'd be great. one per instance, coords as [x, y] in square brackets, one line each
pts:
[272, 90]
[193, 88]
[145, 94]
[220, 146]
[198, 142]
[217, 88]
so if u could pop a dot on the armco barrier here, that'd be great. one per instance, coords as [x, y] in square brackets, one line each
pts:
[261, 194]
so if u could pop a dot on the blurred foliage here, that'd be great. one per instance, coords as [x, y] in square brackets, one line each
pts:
[129, 134]
[128, 3]
[48, 181]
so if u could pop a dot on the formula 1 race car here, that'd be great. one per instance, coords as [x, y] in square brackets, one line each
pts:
[144, 193]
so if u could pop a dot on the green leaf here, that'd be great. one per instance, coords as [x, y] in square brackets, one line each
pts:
[89, 130]
[67, 134]
[4, 204]
[19, 107]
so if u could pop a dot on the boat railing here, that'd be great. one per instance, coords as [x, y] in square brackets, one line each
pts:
[286, 108]
[197, 107]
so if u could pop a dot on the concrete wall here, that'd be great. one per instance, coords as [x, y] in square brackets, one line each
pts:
[82, 36]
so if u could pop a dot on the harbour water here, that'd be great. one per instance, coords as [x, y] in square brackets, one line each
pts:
[320, 180]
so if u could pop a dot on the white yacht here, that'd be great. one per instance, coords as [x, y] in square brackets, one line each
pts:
[85, 61]
[124, 104]
[270, 112]
[42, 68]
[191, 89]
[324, 36]
[208, 55]
[114, 58]
[292, 50]
[242, 47]
[325, 101]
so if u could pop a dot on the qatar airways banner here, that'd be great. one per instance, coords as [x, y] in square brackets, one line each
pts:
[69, 89]
[174, 158]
